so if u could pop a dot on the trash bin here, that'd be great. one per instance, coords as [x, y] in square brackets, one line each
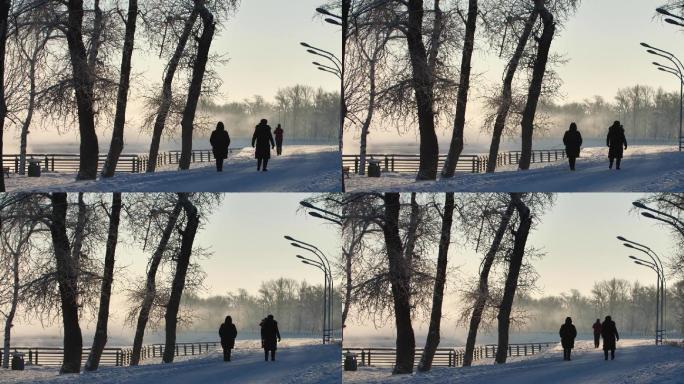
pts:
[373, 168]
[34, 168]
[350, 361]
[17, 361]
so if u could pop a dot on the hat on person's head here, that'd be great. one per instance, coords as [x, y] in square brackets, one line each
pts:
[264, 121]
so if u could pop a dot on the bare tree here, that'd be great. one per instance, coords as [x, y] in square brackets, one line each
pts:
[5, 6]
[433, 337]
[116, 145]
[100, 339]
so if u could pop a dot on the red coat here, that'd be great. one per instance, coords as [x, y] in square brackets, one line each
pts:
[278, 134]
[597, 328]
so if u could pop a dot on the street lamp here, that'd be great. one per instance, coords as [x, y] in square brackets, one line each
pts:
[677, 71]
[325, 289]
[665, 12]
[660, 270]
[646, 264]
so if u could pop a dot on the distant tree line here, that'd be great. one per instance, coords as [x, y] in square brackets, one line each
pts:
[304, 112]
[646, 113]
[297, 306]
[630, 304]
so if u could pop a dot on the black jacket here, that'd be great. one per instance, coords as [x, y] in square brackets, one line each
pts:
[270, 334]
[616, 141]
[573, 141]
[228, 333]
[220, 141]
[568, 332]
[262, 139]
[610, 335]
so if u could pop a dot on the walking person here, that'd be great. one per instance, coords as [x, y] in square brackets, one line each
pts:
[220, 141]
[270, 336]
[597, 333]
[262, 141]
[228, 333]
[567, 333]
[616, 142]
[573, 142]
[610, 337]
[279, 139]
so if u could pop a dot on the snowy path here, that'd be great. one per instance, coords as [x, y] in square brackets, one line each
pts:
[644, 169]
[300, 169]
[300, 364]
[636, 362]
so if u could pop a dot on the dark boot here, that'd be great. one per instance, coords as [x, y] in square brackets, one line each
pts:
[569, 353]
[219, 165]
[610, 166]
[273, 355]
[266, 355]
[605, 354]
[612, 354]
[258, 165]
[617, 164]
[265, 165]
[228, 353]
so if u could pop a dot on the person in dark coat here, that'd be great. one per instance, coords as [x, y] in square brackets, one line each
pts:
[228, 333]
[270, 336]
[573, 141]
[279, 139]
[567, 333]
[597, 333]
[616, 141]
[220, 141]
[610, 337]
[260, 140]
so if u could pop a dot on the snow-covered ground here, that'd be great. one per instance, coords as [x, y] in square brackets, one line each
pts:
[302, 168]
[297, 362]
[644, 169]
[636, 362]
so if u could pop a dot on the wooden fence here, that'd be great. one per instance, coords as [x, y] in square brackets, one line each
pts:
[53, 356]
[128, 163]
[466, 163]
[444, 357]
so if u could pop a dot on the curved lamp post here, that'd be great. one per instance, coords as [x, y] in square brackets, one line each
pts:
[659, 316]
[325, 290]
[677, 71]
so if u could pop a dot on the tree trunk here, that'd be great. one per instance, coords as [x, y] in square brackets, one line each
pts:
[456, 146]
[504, 316]
[83, 88]
[171, 316]
[348, 286]
[67, 278]
[13, 308]
[399, 276]
[432, 341]
[483, 286]
[346, 7]
[116, 145]
[167, 90]
[423, 87]
[5, 6]
[507, 92]
[150, 284]
[195, 91]
[369, 118]
[534, 91]
[100, 339]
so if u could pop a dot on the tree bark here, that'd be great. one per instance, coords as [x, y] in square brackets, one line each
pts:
[534, 91]
[483, 286]
[456, 146]
[507, 92]
[171, 316]
[504, 316]
[167, 90]
[117, 143]
[67, 278]
[423, 85]
[198, 69]
[13, 309]
[369, 118]
[399, 276]
[83, 87]
[150, 284]
[5, 6]
[100, 339]
[433, 336]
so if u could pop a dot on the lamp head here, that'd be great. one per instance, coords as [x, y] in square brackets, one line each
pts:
[621, 238]
[639, 204]
[628, 245]
[631, 257]
[645, 45]
[663, 11]
[648, 215]
[652, 52]
[336, 22]
[288, 238]
[304, 203]
[316, 214]
[303, 44]
[674, 22]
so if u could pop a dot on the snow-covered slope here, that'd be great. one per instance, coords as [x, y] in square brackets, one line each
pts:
[304, 168]
[636, 362]
[296, 362]
[644, 169]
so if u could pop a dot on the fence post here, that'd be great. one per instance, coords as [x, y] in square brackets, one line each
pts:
[386, 163]
[392, 163]
[16, 164]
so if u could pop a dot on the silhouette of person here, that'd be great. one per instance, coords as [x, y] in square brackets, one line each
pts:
[260, 140]
[567, 333]
[228, 333]
[279, 139]
[610, 337]
[220, 141]
[597, 333]
[573, 141]
[616, 141]
[270, 336]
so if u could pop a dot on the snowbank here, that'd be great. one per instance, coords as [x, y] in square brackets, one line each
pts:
[644, 169]
[303, 168]
[297, 361]
[636, 362]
